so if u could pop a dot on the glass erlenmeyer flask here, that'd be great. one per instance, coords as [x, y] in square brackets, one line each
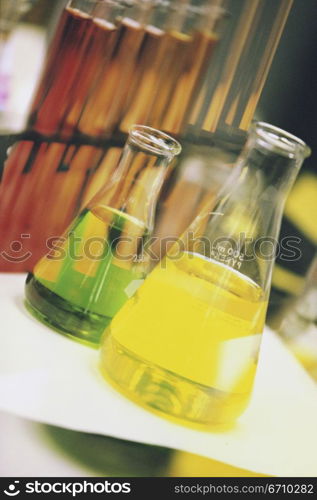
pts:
[186, 344]
[89, 274]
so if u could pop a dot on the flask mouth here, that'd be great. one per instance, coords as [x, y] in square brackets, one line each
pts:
[154, 141]
[278, 140]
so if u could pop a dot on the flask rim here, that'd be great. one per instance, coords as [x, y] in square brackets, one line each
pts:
[154, 141]
[278, 140]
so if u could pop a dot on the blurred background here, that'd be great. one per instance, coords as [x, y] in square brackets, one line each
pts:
[288, 100]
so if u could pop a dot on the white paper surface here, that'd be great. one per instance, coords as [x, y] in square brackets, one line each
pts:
[48, 378]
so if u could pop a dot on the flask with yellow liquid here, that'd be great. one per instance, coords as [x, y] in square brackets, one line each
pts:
[186, 344]
[93, 269]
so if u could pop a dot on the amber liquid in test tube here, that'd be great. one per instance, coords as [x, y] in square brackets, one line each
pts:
[145, 79]
[170, 68]
[202, 47]
[103, 109]
[172, 59]
[63, 65]
[103, 38]
[187, 47]
[81, 48]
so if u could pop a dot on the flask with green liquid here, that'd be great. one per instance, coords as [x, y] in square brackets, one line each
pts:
[97, 265]
[187, 343]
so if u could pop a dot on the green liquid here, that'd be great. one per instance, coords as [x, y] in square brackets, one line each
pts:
[79, 287]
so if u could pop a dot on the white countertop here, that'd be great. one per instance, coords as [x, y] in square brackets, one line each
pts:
[48, 378]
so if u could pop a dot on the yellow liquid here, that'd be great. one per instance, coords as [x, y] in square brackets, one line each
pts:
[186, 344]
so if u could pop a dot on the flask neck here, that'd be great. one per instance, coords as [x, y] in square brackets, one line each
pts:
[135, 185]
[267, 172]
[242, 230]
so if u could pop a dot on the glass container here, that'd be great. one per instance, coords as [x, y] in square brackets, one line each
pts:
[97, 265]
[186, 344]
